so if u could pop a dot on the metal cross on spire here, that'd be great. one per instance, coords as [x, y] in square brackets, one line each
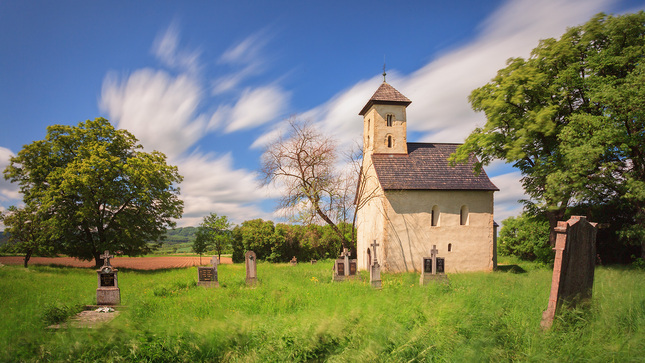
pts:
[384, 74]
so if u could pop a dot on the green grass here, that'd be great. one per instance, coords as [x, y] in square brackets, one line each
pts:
[298, 314]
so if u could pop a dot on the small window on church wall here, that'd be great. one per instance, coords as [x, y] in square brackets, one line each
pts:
[463, 216]
[389, 141]
[435, 216]
[389, 120]
[449, 247]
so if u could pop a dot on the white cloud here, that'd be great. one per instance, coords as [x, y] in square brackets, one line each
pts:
[166, 48]
[212, 185]
[246, 57]
[510, 192]
[160, 110]
[9, 192]
[255, 107]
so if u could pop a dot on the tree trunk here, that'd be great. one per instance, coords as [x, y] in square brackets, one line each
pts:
[97, 259]
[554, 217]
[27, 257]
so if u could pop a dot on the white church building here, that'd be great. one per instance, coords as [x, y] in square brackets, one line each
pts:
[414, 200]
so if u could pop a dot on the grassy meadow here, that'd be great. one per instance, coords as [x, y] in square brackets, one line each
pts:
[298, 314]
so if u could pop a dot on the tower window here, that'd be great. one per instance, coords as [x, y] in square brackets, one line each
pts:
[389, 120]
[389, 141]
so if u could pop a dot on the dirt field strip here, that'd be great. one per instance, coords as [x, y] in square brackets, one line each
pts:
[136, 263]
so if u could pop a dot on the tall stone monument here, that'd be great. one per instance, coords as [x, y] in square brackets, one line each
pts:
[107, 292]
[574, 265]
[251, 268]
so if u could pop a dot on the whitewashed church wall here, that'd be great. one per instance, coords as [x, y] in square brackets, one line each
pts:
[410, 236]
[370, 225]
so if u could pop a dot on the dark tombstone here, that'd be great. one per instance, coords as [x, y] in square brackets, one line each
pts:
[344, 267]
[207, 276]
[433, 268]
[375, 269]
[573, 268]
[107, 292]
[251, 268]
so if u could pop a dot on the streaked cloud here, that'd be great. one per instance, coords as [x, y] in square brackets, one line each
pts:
[245, 60]
[161, 110]
[212, 184]
[9, 192]
[166, 48]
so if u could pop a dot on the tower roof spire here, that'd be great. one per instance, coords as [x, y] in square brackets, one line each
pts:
[386, 95]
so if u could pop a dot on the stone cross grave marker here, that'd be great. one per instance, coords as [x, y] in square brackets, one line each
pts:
[344, 267]
[573, 268]
[433, 267]
[294, 261]
[207, 276]
[251, 268]
[375, 269]
[108, 291]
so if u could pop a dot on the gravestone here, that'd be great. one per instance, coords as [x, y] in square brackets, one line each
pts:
[107, 292]
[207, 276]
[313, 262]
[375, 269]
[573, 268]
[433, 268]
[294, 261]
[344, 267]
[251, 268]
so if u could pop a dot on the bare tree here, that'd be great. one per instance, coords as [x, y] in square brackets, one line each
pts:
[303, 163]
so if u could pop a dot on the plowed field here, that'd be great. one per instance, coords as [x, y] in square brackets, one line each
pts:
[137, 263]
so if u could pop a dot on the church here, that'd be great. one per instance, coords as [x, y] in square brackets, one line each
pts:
[410, 199]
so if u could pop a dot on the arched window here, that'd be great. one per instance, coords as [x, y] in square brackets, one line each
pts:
[435, 216]
[390, 142]
[449, 247]
[389, 119]
[463, 216]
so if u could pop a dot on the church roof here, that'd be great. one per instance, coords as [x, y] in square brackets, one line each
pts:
[426, 167]
[386, 94]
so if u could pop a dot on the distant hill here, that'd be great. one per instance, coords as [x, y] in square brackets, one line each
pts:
[180, 235]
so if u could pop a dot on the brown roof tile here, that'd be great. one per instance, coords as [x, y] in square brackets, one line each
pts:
[386, 94]
[426, 167]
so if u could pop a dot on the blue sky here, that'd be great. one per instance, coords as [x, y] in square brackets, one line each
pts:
[209, 82]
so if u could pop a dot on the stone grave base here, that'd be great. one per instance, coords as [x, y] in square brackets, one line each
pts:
[108, 296]
[89, 318]
[426, 278]
[208, 283]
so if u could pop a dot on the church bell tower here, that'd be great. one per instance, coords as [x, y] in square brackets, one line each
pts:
[384, 122]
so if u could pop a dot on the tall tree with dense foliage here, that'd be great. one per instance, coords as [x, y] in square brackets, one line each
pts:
[98, 189]
[570, 117]
[213, 233]
[526, 237]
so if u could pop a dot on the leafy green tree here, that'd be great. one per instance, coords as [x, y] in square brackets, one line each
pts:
[98, 189]
[526, 237]
[27, 232]
[570, 117]
[213, 233]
